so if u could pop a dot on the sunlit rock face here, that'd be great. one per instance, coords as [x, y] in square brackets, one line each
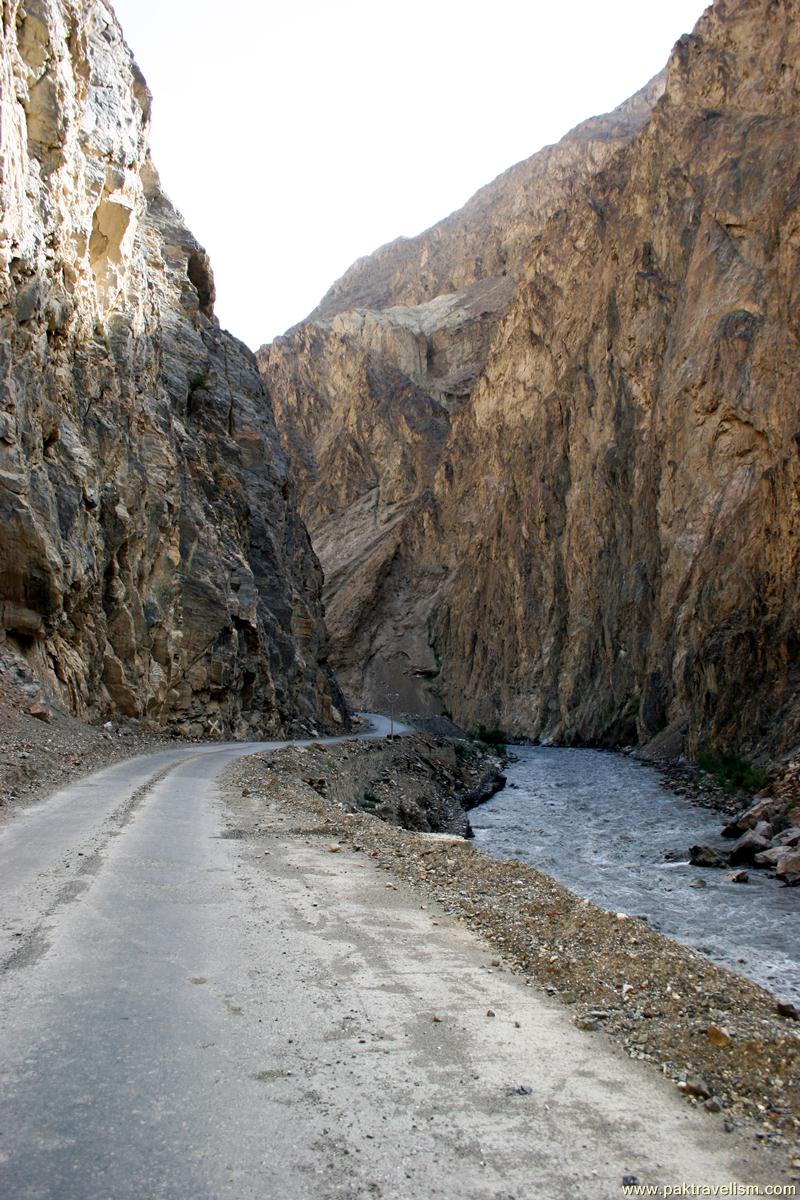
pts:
[151, 560]
[598, 539]
[366, 392]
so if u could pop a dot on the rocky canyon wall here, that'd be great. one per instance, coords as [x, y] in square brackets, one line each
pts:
[366, 391]
[604, 546]
[152, 562]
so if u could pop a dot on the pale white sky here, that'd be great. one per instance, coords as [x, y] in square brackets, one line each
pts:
[295, 137]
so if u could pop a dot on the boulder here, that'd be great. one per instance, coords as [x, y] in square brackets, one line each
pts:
[706, 856]
[771, 857]
[789, 868]
[747, 847]
[764, 809]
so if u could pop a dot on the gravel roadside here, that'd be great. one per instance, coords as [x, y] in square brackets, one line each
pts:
[718, 1036]
[41, 753]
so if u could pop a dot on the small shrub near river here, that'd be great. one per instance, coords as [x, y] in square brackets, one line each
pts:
[732, 773]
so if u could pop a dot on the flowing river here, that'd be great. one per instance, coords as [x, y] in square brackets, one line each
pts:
[602, 824]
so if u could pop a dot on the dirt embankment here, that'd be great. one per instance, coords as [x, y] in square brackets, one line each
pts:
[422, 783]
[720, 1037]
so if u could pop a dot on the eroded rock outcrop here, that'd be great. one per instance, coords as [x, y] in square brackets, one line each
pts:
[151, 559]
[608, 547]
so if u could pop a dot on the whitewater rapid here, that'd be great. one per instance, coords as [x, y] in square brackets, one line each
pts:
[603, 825]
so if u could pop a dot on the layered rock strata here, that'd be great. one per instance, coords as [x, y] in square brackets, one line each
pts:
[607, 546]
[152, 562]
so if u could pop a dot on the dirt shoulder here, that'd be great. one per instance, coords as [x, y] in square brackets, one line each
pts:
[718, 1036]
[39, 754]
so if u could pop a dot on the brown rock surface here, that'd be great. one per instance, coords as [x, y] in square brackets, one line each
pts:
[364, 442]
[151, 559]
[609, 545]
[365, 393]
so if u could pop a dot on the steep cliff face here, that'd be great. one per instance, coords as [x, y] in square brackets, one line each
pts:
[634, 524]
[366, 390]
[151, 559]
[612, 526]
[364, 404]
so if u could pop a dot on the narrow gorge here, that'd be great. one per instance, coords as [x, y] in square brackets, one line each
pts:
[282, 912]
[549, 451]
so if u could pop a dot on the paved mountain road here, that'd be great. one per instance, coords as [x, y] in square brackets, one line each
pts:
[50, 851]
[186, 1018]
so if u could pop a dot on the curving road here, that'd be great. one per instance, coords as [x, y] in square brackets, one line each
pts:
[185, 1016]
[50, 852]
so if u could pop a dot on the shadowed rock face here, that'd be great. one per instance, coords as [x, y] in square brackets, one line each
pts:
[151, 559]
[607, 547]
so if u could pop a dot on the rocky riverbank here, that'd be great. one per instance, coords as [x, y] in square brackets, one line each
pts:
[766, 834]
[764, 824]
[724, 1041]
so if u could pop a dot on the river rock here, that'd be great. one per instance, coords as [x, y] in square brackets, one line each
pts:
[706, 856]
[747, 847]
[771, 857]
[764, 809]
[788, 868]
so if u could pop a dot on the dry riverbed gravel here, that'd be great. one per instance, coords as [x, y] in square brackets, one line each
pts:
[718, 1036]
